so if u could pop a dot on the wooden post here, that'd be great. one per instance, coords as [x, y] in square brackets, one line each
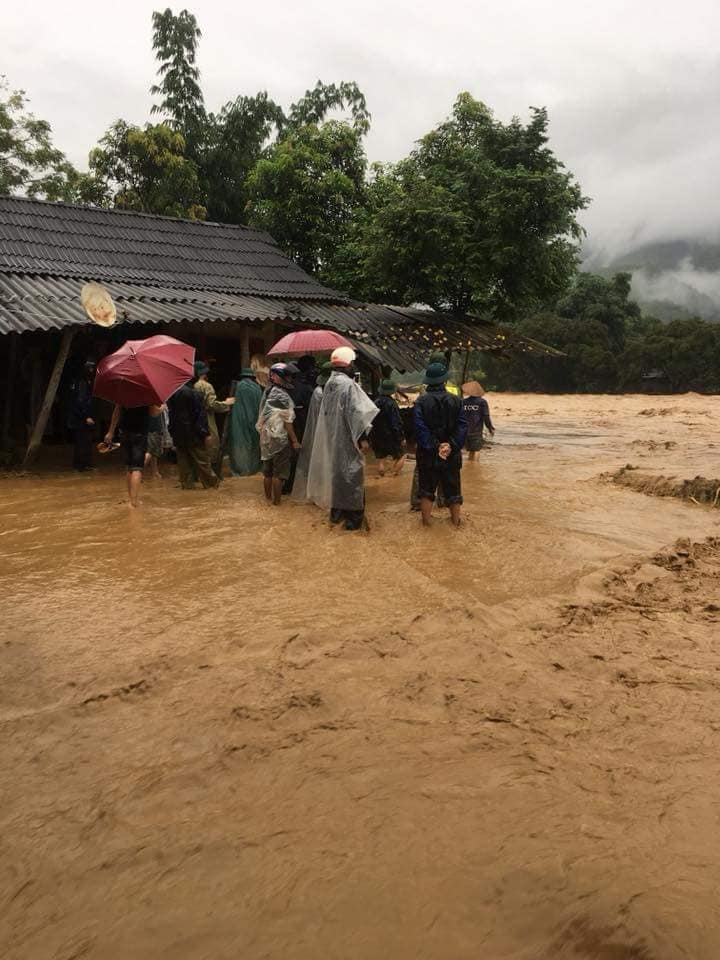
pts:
[245, 344]
[9, 388]
[41, 422]
[465, 367]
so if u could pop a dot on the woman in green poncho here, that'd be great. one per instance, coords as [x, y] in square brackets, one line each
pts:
[244, 440]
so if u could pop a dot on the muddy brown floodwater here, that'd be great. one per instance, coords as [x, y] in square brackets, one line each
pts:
[230, 731]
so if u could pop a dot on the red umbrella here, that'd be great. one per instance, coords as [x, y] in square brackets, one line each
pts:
[142, 372]
[308, 341]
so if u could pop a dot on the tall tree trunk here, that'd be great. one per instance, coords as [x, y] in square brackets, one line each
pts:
[50, 392]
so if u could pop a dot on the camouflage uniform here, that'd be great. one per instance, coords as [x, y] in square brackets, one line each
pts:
[212, 406]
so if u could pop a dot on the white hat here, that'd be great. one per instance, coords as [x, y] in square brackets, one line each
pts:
[98, 304]
[342, 357]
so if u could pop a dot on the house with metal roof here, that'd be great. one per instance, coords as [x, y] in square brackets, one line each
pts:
[227, 289]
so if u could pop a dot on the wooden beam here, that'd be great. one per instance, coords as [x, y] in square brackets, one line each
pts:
[41, 422]
[245, 344]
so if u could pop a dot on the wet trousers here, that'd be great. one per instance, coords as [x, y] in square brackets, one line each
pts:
[353, 518]
[415, 492]
[194, 461]
[83, 447]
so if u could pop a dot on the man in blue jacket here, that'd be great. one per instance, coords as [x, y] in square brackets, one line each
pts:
[440, 431]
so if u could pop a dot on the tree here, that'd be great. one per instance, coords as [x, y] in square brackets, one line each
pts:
[175, 40]
[594, 298]
[306, 188]
[590, 325]
[233, 143]
[314, 107]
[480, 217]
[29, 163]
[145, 169]
[685, 352]
[240, 136]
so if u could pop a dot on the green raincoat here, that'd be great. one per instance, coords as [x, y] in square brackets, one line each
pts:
[244, 440]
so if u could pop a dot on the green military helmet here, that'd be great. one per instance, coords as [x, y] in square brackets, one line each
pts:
[438, 356]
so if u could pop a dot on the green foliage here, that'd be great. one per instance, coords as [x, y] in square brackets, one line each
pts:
[145, 169]
[479, 218]
[589, 324]
[233, 143]
[306, 188]
[610, 346]
[237, 139]
[595, 299]
[29, 163]
[175, 40]
[687, 352]
[314, 107]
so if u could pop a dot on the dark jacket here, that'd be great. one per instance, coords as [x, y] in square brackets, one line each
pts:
[439, 418]
[188, 420]
[301, 393]
[387, 429]
[477, 413]
[81, 403]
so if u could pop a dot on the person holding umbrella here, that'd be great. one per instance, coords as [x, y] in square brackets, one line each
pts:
[299, 490]
[138, 378]
[134, 423]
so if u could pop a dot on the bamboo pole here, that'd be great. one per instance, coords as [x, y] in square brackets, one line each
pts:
[9, 388]
[50, 392]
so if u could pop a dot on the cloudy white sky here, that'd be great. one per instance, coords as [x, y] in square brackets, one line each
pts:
[632, 85]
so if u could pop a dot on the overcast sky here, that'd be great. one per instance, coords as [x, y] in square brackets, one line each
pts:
[632, 86]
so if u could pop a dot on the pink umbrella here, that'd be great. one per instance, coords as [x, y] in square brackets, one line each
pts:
[142, 372]
[308, 341]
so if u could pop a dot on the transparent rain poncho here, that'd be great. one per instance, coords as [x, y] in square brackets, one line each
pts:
[299, 490]
[336, 476]
[277, 409]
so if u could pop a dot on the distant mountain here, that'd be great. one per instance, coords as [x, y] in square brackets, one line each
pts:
[672, 279]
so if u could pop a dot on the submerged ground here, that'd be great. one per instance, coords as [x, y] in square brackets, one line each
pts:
[231, 731]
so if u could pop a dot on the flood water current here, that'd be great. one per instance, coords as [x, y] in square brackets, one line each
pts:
[231, 730]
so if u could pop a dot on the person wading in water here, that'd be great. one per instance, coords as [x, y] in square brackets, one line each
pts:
[440, 429]
[336, 478]
[277, 434]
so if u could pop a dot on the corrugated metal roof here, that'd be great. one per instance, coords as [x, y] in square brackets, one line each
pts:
[163, 270]
[90, 243]
[392, 336]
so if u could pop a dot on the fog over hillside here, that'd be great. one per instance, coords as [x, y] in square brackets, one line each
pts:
[671, 279]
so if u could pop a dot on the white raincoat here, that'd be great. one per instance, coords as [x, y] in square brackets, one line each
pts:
[336, 478]
[299, 490]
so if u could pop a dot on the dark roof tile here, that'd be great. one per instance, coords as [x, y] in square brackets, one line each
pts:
[58, 239]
